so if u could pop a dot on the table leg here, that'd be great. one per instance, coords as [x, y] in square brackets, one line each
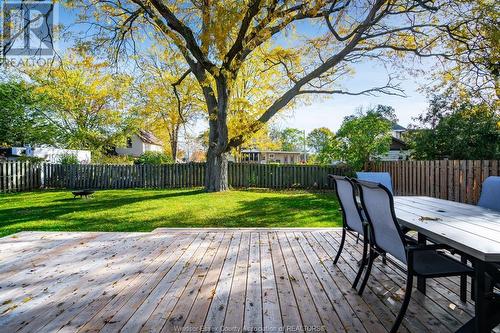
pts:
[463, 282]
[481, 307]
[422, 240]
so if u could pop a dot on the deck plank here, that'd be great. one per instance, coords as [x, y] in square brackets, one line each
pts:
[304, 298]
[199, 310]
[236, 306]
[145, 309]
[22, 292]
[208, 280]
[110, 276]
[288, 304]
[123, 306]
[270, 305]
[112, 301]
[218, 307]
[177, 317]
[324, 306]
[253, 305]
[159, 316]
[357, 303]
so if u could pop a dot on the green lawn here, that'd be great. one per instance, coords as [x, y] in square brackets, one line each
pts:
[145, 210]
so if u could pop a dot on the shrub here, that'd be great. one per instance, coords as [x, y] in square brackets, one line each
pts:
[154, 157]
[113, 159]
[68, 159]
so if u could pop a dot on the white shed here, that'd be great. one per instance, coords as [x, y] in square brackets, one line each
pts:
[139, 143]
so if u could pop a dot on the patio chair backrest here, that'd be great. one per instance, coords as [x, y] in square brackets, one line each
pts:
[346, 193]
[378, 206]
[383, 178]
[490, 194]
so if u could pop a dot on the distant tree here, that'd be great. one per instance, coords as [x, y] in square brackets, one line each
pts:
[323, 143]
[168, 104]
[86, 102]
[21, 119]
[463, 131]
[364, 135]
[319, 138]
[291, 139]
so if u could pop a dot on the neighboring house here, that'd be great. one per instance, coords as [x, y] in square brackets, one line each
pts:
[273, 156]
[49, 154]
[139, 143]
[397, 131]
[398, 149]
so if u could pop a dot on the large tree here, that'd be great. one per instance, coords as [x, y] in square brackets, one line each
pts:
[167, 104]
[364, 136]
[86, 102]
[323, 143]
[456, 131]
[291, 139]
[23, 120]
[217, 38]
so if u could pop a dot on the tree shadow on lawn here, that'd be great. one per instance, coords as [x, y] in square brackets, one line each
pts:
[54, 209]
[111, 214]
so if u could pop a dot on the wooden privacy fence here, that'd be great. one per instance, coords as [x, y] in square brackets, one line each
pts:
[123, 176]
[457, 180]
[19, 176]
[186, 175]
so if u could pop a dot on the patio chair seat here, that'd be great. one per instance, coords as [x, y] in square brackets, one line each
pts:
[429, 263]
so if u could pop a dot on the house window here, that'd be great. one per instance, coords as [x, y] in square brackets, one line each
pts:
[129, 142]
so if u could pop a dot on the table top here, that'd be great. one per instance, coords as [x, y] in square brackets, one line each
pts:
[471, 229]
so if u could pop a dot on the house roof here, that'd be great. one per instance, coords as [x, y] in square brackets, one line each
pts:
[397, 127]
[148, 137]
[398, 144]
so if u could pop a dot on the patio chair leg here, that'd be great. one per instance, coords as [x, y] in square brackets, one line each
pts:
[362, 263]
[357, 238]
[384, 259]
[404, 306]
[371, 258]
[340, 247]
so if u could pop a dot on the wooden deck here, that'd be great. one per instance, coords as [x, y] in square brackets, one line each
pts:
[220, 280]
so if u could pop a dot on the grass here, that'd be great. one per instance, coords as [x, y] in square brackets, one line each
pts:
[145, 210]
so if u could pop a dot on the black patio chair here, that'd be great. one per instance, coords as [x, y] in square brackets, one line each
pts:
[386, 237]
[352, 219]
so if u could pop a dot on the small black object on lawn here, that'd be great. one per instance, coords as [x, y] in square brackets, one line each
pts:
[82, 193]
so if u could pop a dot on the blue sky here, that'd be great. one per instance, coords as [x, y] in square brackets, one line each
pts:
[330, 113]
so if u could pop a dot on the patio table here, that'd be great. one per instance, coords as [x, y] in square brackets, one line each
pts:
[472, 230]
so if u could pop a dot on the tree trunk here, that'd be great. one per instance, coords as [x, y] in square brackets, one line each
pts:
[217, 171]
[174, 142]
[216, 176]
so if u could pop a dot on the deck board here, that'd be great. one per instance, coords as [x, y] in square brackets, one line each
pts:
[214, 279]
